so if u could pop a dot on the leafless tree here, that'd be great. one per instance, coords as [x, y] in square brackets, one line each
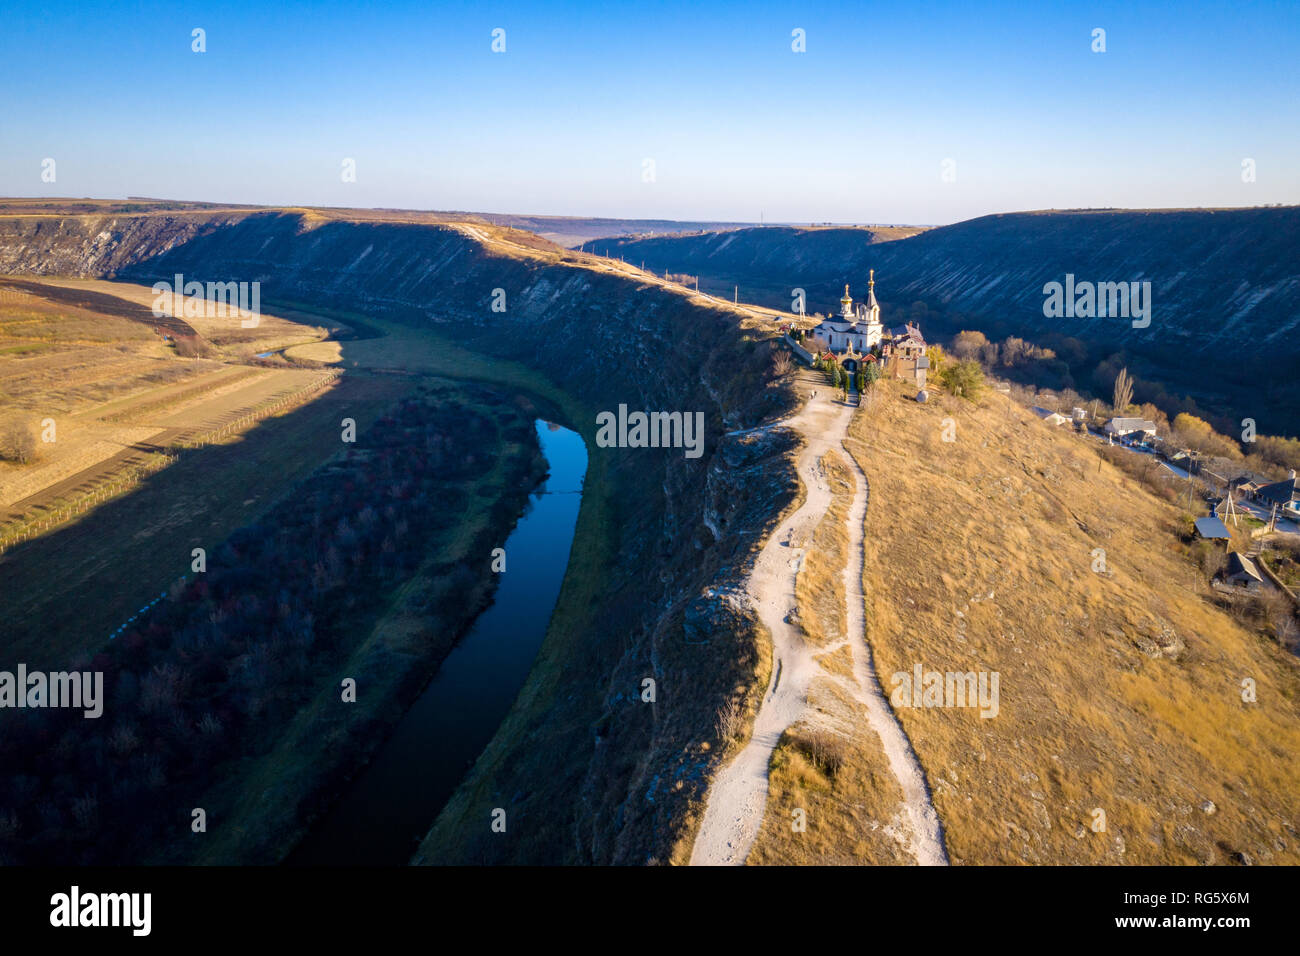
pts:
[1123, 395]
[966, 344]
[17, 443]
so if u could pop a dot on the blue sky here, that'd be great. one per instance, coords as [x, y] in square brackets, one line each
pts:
[856, 129]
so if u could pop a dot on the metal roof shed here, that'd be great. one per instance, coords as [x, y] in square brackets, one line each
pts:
[1212, 528]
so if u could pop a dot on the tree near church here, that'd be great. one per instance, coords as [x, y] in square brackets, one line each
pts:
[969, 345]
[871, 373]
[937, 358]
[964, 379]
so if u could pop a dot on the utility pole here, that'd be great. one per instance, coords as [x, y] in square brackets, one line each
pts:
[1230, 509]
[736, 298]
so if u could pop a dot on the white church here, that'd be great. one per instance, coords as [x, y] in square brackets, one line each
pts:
[854, 330]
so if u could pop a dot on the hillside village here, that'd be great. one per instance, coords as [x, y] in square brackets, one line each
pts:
[1246, 522]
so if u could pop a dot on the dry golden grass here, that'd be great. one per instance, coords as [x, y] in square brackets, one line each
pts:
[110, 383]
[848, 796]
[819, 587]
[226, 333]
[79, 446]
[1119, 691]
[328, 353]
[831, 766]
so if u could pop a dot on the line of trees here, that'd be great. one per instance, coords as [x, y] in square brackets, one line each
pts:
[1054, 361]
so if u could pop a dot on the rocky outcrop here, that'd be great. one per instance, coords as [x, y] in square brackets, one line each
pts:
[95, 246]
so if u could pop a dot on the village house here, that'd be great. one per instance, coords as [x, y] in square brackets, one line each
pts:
[1285, 494]
[1246, 484]
[1241, 572]
[1131, 430]
[1049, 416]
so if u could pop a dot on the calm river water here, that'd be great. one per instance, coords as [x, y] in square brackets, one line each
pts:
[387, 809]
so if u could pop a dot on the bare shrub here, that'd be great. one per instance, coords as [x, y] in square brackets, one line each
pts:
[782, 363]
[828, 751]
[1212, 558]
[191, 346]
[727, 722]
[17, 443]
[1281, 615]
[1052, 509]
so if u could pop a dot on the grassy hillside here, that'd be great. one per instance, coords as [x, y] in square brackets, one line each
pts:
[1120, 690]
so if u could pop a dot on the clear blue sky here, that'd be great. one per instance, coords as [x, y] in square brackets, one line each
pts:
[854, 130]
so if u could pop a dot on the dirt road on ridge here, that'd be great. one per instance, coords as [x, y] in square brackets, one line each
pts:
[738, 795]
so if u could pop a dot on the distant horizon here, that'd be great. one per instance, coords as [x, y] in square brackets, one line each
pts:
[690, 221]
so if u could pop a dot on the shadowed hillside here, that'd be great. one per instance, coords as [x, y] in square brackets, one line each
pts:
[766, 262]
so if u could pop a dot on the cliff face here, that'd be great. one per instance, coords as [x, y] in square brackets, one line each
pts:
[1225, 286]
[96, 245]
[601, 775]
[1228, 279]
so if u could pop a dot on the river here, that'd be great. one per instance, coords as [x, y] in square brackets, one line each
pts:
[387, 809]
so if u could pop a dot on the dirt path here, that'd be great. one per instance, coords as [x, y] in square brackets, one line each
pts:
[921, 825]
[734, 813]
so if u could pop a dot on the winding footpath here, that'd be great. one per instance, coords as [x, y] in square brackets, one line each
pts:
[738, 796]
